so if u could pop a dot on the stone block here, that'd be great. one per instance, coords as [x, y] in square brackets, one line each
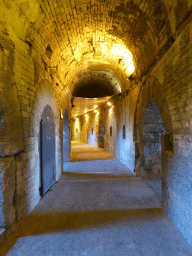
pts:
[8, 169]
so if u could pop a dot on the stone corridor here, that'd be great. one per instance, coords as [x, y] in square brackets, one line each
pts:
[109, 213]
[95, 127]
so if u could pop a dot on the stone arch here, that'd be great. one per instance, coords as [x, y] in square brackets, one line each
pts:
[66, 138]
[152, 119]
[152, 89]
[44, 96]
[11, 133]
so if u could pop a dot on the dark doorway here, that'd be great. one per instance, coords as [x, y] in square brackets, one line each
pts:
[47, 137]
[66, 153]
[110, 131]
[101, 135]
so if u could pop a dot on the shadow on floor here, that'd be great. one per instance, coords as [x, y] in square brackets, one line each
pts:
[43, 223]
[138, 232]
[91, 214]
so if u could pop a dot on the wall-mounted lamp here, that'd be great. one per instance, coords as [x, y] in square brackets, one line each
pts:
[109, 103]
[61, 114]
[86, 118]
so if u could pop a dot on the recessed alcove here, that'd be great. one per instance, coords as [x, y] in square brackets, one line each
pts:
[149, 146]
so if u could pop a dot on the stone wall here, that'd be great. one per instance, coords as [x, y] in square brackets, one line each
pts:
[175, 75]
[76, 130]
[150, 129]
[66, 145]
[26, 88]
[89, 126]
[168, 85]
[42, 49]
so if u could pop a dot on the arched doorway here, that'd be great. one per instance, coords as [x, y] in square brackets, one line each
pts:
[101, 134]
[153, 136]
[66, 138]
[150, 129]
[47, 138]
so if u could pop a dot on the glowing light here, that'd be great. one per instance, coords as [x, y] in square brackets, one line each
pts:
[103, 48]
[109, 103]
[121, 51]
[95, 111]
[61, 113]
[126, 56]
[86, 117]
[95, 106]
[115, 49]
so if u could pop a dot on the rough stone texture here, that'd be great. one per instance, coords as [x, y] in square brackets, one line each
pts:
[150, 128]
[76, 130]
[8, 189]
[66, 137]
[175, 75]
[82, 35]
[11, 125]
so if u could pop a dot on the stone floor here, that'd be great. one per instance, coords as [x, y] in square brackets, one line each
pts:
[85, 152]
[97, 214]
[90, 159]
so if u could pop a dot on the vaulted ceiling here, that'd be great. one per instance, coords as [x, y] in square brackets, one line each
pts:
[107, 40]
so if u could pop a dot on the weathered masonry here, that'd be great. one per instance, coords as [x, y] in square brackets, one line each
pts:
[134, 54]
